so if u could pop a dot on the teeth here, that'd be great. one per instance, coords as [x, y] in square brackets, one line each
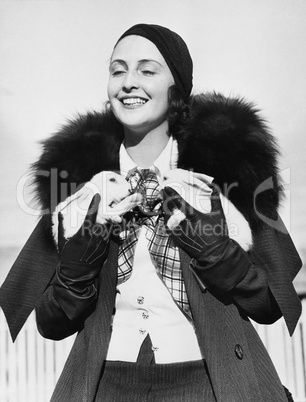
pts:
[133, 101]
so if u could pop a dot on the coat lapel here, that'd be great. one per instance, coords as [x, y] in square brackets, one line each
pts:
[203, 309]
[219, 330]
[100, 333]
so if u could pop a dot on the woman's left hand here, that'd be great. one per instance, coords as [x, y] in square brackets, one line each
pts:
[196, 231]
[219, 262]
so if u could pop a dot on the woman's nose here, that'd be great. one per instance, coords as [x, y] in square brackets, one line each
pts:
[130, 82]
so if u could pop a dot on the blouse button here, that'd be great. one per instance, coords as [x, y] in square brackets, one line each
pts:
[140, 299]
[145, 315]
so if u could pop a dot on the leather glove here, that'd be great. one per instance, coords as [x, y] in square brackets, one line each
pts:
[81, 259]
[218, 261]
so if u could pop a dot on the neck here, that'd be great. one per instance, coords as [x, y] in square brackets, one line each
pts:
[145, 148]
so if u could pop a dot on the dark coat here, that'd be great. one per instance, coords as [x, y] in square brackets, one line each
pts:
[226, 139]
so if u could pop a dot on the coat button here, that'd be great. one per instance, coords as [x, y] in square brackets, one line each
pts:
[239, 351]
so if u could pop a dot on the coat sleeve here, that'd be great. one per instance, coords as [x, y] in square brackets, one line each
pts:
[52, 322]
[266, 292]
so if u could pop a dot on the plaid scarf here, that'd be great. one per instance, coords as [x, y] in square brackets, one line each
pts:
[164, 253]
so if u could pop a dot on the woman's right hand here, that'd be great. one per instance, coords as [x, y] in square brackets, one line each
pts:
[116, 199]
[81, 259]
[88, 246]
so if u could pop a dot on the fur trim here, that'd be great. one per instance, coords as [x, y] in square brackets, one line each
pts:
[224, 138]
[71, 157]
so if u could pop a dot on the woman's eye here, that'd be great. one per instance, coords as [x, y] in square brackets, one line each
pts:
[117, 73]
[148, 72]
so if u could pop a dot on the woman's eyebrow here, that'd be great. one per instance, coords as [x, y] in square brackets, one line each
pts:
[120, 61]
[142, 61]
[149, 61]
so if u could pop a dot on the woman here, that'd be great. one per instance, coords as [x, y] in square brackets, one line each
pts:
[152, 279]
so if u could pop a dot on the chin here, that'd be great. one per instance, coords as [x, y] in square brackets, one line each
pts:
[129, 119]
[137, 120]
[135, 124]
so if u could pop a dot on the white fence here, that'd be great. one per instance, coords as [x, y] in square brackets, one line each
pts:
[30, 367]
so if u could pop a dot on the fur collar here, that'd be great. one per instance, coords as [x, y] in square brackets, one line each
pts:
[224, 138]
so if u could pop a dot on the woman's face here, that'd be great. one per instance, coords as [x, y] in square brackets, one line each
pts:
[138, 84]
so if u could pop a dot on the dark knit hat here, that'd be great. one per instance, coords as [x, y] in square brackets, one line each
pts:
[173, 49]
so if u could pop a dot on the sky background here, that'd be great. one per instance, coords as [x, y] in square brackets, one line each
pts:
[54, 64]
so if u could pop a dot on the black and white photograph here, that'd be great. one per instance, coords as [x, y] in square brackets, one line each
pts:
[152, 201]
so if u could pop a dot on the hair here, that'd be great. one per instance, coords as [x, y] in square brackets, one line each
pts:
[178, 111]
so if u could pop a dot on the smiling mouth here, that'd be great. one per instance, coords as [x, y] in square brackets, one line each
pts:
[133, 101]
